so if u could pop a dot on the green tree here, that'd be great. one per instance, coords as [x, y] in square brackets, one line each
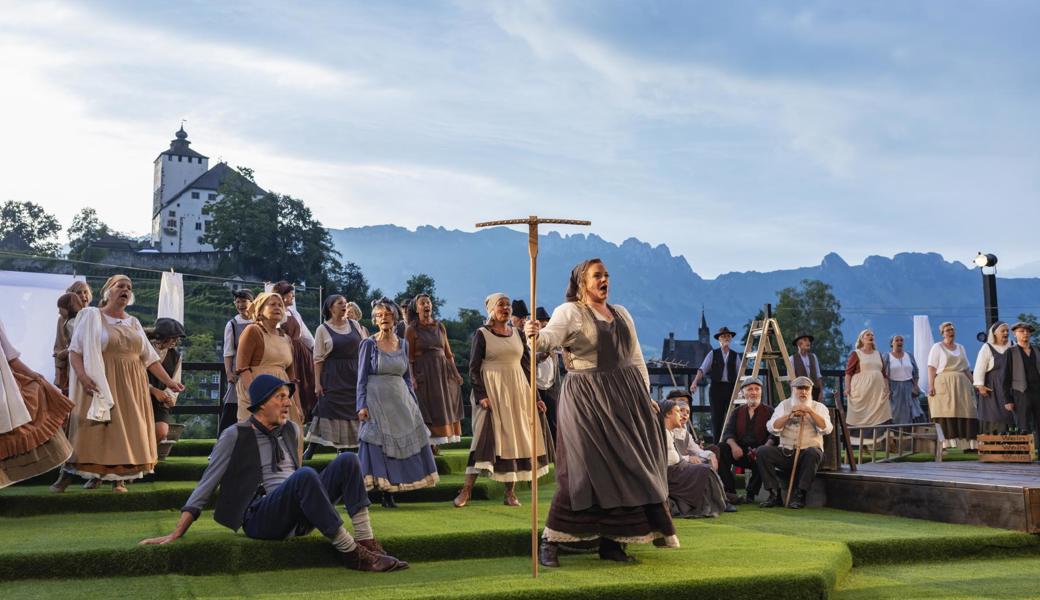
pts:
[27, 226]
[421, 284]
[351, 283]
[811, 308]
[1032, 320]
[200, 347]
[86, 228]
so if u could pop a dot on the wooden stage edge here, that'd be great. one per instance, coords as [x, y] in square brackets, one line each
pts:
[1003, 495]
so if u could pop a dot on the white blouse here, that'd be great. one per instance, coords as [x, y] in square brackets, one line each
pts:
[323, 341]
[984, 362]
[937, 355]
[900, 369]
[148, 353]
[9, 350]
[566, 322]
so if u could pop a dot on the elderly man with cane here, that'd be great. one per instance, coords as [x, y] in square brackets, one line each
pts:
[800, 422]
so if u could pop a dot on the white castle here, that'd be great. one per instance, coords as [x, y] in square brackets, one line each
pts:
[182, 185]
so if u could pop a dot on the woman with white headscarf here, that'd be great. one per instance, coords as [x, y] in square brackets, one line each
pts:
[32, 411]
[867, 384]
[950, 401]
[990, 366]
[499, 372]
[113, 436]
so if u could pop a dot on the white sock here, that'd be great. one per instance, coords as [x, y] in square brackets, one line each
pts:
[342, 541]
[362, 525]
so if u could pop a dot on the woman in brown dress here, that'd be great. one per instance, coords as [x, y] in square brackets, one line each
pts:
[437, 379]
[31, 415]
[302, 348]
[113, 435]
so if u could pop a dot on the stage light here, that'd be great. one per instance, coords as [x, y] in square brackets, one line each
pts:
[986, 260]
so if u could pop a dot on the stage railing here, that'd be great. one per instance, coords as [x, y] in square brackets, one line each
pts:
[897, 433]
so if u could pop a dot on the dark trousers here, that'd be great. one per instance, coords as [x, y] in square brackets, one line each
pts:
[1027, 412]
[719, 394]
[771, 458]
[307, 500]
[726, 464]
[228, 416]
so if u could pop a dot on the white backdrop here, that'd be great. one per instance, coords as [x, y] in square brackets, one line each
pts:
[30, 314]
[923, 342]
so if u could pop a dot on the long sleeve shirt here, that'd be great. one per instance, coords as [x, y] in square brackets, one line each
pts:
[148, 353]
[478, 351]
[368, 365]
[305, 334]
[220, 458]
[984, 362]
[230, 347]
[812, 436]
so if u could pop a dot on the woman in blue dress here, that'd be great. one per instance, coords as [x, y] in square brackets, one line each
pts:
[395, 448]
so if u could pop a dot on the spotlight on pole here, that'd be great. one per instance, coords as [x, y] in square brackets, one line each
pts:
[987, 264]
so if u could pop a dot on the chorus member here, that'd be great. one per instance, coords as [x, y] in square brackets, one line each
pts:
[114, 432]
[232, 334]
[354, 313]
[499, 371]
[721, 364]
[611, 470]
[694, 488]
[437, 379]
[265, 492]
[867, 384]
[32, 412]
[548, 376]
[520, 313]
[69, 305]
[746, 431]
[903, 391]
[991, 366]
[786, 423]
[265, 348]
[395, 448]
[336, 342]
[1022, 380]
[951, 402]
[302, 343]
[404, 315]
[805, 363]
[164, 336]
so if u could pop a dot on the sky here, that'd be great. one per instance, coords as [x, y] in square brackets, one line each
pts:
[744, 135]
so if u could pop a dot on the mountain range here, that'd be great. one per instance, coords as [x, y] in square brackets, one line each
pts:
[665, 294]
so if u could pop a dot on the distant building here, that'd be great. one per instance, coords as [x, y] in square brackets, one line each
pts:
[182, 185]
[689, 353]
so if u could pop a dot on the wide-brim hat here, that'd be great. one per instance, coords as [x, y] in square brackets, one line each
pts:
[263, 387]
[804, 335]
[802, 382]
[520, 309]
[1023, 325]
[724, 331]
[166, 328]
[540, 314]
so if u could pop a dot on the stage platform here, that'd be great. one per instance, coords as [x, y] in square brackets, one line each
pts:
[992, 494]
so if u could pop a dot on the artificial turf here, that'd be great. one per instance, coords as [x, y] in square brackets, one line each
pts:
[1013, 578]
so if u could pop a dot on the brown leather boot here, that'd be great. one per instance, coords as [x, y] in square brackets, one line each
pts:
[467, 490]
[363, 559]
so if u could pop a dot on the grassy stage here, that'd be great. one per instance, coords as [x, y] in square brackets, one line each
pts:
[83, 544]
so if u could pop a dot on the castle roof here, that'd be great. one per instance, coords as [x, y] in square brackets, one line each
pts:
[212, 180]
[179, 146]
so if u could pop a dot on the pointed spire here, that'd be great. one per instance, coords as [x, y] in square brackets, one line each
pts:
[704, 323]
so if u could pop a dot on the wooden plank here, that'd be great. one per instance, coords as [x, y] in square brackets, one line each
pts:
[1032, 502]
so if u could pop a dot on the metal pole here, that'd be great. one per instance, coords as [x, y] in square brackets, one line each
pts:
[989, 296]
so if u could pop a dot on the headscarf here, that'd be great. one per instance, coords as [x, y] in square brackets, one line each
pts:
[577, 279]
[991, 338]
[109, 284]
[491, 302]
[256, 306]
[859, 339]
[326, 307]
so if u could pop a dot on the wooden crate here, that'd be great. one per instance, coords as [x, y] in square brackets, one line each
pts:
[1006, 448]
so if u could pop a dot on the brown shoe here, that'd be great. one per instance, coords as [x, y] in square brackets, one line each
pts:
[63, 482]
[372, 546]
[362, 559]
[510, 498]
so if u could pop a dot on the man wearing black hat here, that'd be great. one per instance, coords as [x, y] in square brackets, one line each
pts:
[805, 363]
[1022, 380]
[164, 335]
[232, 333]
[520, 314]
[264, 490]
[746, 431]
[722, 365]
[800, 422]
[548, 375]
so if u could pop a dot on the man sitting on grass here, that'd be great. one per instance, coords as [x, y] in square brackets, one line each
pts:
[801, 422]
[265, 492]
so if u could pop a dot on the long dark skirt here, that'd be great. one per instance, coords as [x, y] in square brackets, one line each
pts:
[695, 491]
[610, 461]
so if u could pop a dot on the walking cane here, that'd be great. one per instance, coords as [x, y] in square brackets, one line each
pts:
[532, 223]
[794, 467]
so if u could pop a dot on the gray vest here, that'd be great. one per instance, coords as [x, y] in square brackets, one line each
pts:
[1018, 366]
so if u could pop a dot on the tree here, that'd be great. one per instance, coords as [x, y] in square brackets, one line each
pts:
[27, 226]
[200, 347]
[421, 284]
[351, 283]
[86, 228]
[812, 308]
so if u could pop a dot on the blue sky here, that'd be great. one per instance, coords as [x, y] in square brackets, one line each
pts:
[744, 135]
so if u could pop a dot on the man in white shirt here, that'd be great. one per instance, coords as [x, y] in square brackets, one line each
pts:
[722, 365]
[805, 363]
[801, 422]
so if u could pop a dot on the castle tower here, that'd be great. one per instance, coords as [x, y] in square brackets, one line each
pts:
[174, 170]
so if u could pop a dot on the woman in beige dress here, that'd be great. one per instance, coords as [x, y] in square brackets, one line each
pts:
[264, 348]
[951, 401]
[867, 384]
[113, 435]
